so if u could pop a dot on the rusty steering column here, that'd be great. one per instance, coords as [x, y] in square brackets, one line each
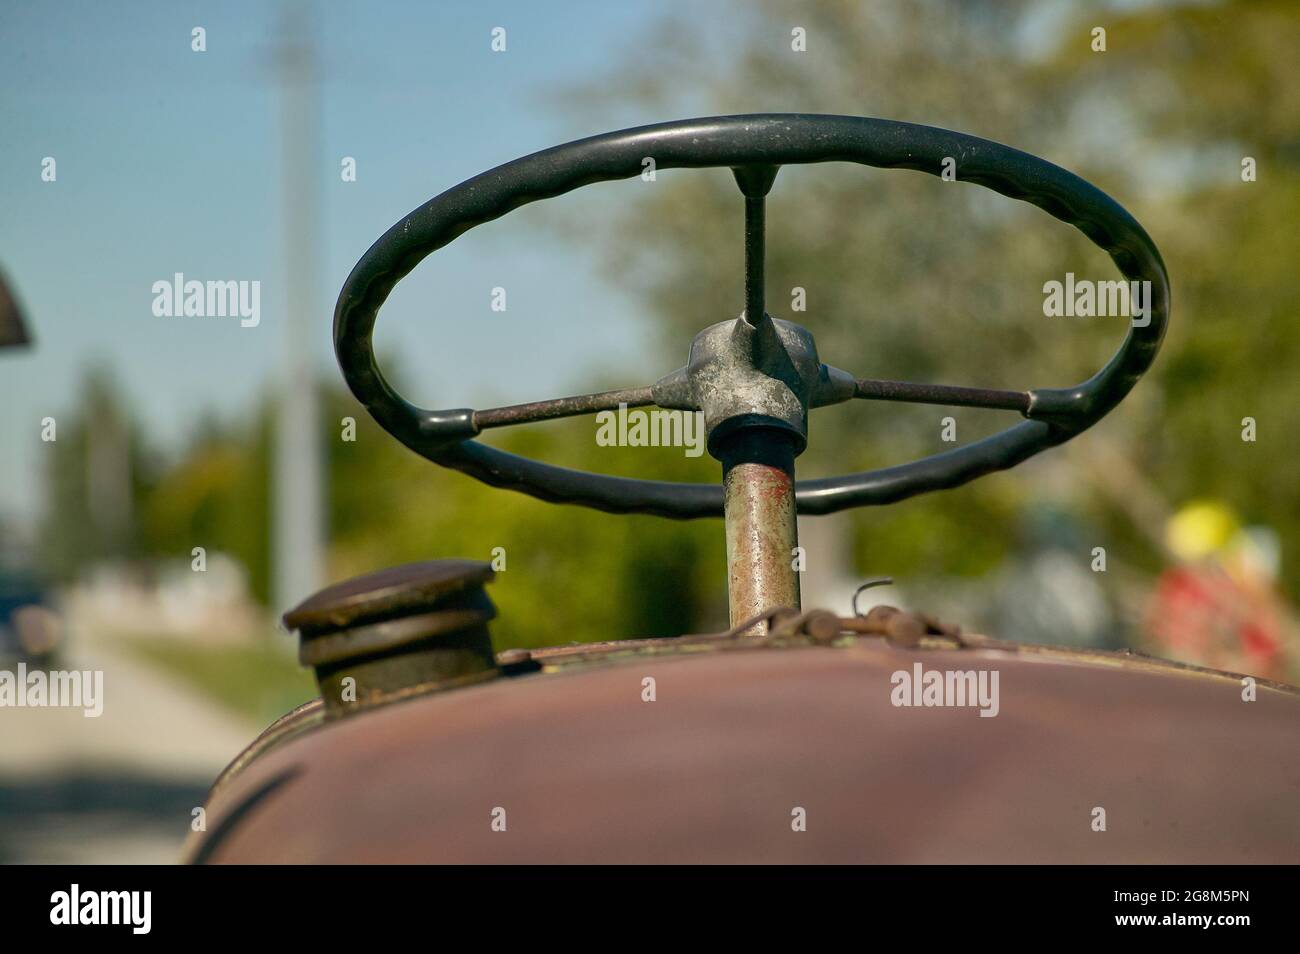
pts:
[758, 478]
[754, 378]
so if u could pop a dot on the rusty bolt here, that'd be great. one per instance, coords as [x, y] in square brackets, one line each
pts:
[822, 625]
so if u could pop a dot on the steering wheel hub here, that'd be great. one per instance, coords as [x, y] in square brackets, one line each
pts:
[742, 375]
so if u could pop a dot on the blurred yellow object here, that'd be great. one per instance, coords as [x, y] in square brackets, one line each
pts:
[1201, 529]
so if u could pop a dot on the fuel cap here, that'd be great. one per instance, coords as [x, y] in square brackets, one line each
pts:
[403, 631]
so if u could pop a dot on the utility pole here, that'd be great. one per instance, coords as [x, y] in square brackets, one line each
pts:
[297, 499]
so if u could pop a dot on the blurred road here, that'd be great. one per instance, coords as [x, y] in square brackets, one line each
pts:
[118, 788]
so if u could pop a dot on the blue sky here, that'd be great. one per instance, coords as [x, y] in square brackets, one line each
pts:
[167, 162]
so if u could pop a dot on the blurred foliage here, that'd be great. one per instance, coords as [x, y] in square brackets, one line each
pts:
[217, 496]
[906, 277]
[571, 573]
[91, 513]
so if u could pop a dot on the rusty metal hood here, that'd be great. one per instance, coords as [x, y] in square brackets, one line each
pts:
[781, 752]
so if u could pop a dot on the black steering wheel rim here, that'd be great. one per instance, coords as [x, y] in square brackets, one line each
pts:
[1055, 414]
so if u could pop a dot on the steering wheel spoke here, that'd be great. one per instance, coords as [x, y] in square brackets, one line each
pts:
[947, 395]
[575, 406]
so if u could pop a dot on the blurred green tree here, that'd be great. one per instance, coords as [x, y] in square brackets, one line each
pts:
[98, 470]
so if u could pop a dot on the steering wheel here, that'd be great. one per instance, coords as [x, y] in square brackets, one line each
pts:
[754, 147]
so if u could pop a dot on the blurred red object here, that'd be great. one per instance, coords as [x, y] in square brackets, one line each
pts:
[1203, 615]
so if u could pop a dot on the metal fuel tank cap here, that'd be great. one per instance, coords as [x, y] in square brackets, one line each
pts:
[404, 631]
